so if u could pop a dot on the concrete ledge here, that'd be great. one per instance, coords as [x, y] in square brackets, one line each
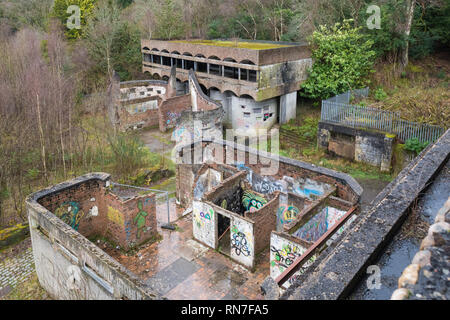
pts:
[339, 268]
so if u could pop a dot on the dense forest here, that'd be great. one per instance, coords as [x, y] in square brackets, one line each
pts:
[54, 80]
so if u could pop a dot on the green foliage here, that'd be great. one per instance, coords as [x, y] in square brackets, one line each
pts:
[126, 51]
[128, 152]
[415, 145]
[169, 21]
[343, 58]
[60, 12]
[380, 94]
[124, 3]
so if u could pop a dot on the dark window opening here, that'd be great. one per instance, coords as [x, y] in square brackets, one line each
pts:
[188, 64]
[166, 61]
[202, 67]
[215, 69]
[231, 72]
[252, 76]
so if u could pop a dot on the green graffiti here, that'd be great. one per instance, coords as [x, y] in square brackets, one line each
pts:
[139, 220]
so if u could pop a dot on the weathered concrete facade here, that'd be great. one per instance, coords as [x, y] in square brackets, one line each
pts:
[237, 76]
[68, 265]
[362, 145]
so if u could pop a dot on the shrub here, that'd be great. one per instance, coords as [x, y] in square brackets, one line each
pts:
[380, 94]
[343, 58]
[415, 145]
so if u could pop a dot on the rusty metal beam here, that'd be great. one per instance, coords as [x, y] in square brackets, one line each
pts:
[298, 263]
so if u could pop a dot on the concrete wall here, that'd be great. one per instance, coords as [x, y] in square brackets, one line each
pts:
[242, 241]
[368, 146]
[243, 114]
[284, 250]
[204, 222]
[67, 264]
[282, 78]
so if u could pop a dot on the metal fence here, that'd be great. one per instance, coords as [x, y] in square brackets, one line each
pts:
[338, 110]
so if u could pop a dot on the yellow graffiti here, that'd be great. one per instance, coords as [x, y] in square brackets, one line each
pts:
[115, 216]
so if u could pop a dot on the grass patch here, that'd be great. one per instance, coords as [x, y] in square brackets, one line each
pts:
[235, 44]
[28, 290]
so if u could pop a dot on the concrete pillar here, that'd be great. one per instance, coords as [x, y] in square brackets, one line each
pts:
[288, 107]
[239, 73]
[207, 68]
[195, 66]
[182, 64]
[152, 58]
[223, 71]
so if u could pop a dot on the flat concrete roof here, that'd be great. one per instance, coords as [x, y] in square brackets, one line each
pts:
[241, 44]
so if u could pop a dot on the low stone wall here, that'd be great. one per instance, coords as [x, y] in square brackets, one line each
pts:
[427, 277]
[368, 146]
[68, 265]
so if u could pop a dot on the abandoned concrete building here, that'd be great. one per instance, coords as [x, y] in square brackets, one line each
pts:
[298, 234]
[256, 82]
[263, 223]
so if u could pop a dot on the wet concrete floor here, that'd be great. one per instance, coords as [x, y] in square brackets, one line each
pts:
[181, 268]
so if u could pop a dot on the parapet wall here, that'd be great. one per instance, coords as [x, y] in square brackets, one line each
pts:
[68, 265]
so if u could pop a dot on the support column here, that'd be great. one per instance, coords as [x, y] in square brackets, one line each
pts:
[288, 107]
[223, 71]
[207, 68]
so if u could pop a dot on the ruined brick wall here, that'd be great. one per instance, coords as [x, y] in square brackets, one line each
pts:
[265, 221]
[139, 114]
[67, 264]
[137, 103]
[170, 110]
[131, 222]
[346, 187]
[81, 206]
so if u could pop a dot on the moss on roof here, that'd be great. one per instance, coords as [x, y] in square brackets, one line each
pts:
[238, 44]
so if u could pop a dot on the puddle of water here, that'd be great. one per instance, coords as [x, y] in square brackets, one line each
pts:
[395, 259]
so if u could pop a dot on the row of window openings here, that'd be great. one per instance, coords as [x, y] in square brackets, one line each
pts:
[133, 90]
[214, 69]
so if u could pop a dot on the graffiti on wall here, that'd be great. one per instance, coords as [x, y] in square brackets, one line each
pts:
[172, 117]
[287, 213]
[319, 224]
[70, 212]
[140, 219]
[203, 223]
[115, 216]
[252, 202]
[283, 254]
[307, 188]
[241, 242]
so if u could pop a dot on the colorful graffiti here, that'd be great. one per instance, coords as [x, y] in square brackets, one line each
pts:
[285, 256]
[252, 202]
[319, 224]
[287, 213]
[172, 117]
[140, 219]
[239, 242]
[71, 213]
[283, 253]
[207, 215]
[115, 216]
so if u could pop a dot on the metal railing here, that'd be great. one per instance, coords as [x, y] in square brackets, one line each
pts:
[338, 110]
[164, 193]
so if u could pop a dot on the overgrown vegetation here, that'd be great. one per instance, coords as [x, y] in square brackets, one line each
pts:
[342, 61]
